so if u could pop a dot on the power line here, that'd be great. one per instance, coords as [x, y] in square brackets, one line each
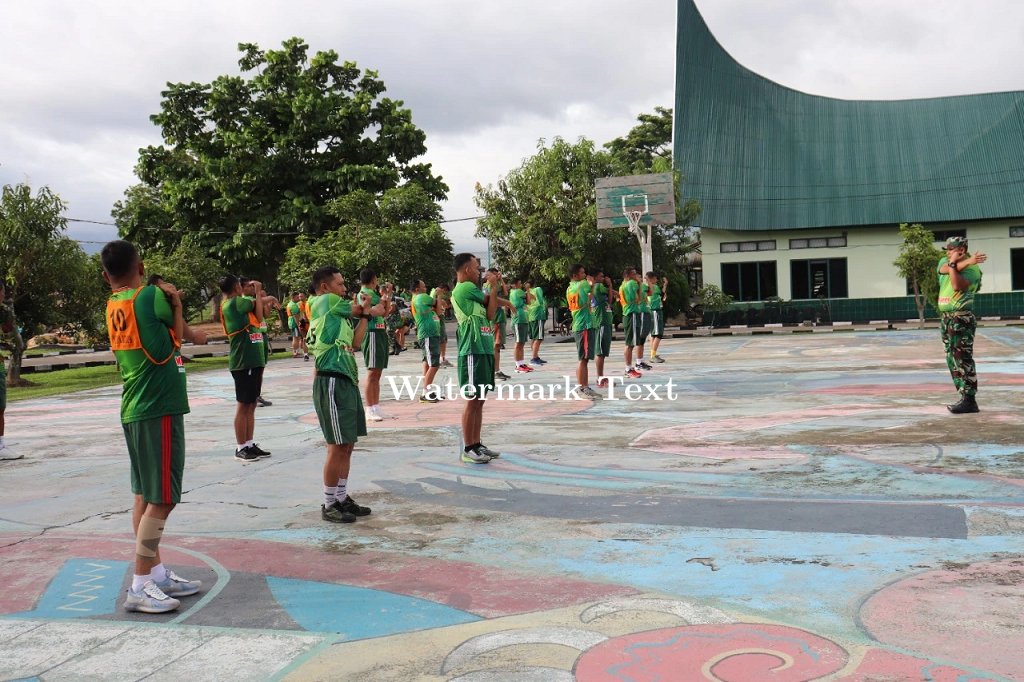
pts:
[167, 229]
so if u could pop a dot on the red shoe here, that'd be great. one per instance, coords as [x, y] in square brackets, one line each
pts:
[524, 369]
[632, 373]
[602, 383]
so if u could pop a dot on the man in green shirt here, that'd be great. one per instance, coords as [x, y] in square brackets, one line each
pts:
[269, 304]
[295, 312]
[246, 360]
[645, 317]
[959, 281]
[499, 324]
[519, 300]
[146, 327]
[601, 311]
[474, 311]
[578, 296]
[658, 296]
[339, 408]
[428, 334]
[632, 320]
[376, 342]
[442, 294]
[537, 312]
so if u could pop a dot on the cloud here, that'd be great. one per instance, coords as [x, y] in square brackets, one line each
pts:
[484, 80]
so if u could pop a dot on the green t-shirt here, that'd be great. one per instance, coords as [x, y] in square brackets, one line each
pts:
[151, 390]
[645, 297]
[293, 309]
[535, 311]
[630, 293]
[374, 324]
[476, 336]
[330, 336]
[604, 308]
[578, 295]
[517, 297]
[427, 323]
[951, 300]
[247, 350]
[655, 299]
[499, 314]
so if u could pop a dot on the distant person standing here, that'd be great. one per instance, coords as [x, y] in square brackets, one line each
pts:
[428, 323]
[294, 310]
[632, 320]
[376, 341]
[603, 321]
[6, 326]
[645, 321]
[520, 300]
[578, 296]
[959, 280]
[658, 296]
[537, 313]
[499, 323]
[442, 294]
[246, 360]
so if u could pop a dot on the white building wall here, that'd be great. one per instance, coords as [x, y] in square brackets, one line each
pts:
[870, 252]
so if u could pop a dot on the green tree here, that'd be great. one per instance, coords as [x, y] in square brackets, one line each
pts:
[191, 271]
[636, 152]
[714, 301]
[918, 263]
[397, 234]
[249, 157]
[49, 280]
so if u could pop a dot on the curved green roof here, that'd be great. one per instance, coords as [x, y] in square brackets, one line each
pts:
[761, 156]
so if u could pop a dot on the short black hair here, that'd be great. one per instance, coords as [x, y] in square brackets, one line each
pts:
[415, 284]
[462, 259]
[118, 257]
[628, 271]
[228, 283]
[597, 271]
[244, 280]
[366, 276]
[153, 279]
[324, 274]
[575, 268]
[515, 280]
[651, 273]
[494, 270]
[310, 291]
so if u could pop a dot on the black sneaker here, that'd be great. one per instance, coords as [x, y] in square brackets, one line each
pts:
[335, 515]
[968, 405]
[501, 375]
[260, 402]
[263, 454]
[425, 398]
[349, 506]
[247, 454]
[644, 365]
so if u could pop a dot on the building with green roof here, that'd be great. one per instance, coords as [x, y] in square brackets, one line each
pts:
[802, 195]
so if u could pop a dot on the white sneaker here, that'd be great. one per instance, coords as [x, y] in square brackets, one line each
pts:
[6, 454]
[150, 599]
[176, 586]
[588, 392]
[372, 416]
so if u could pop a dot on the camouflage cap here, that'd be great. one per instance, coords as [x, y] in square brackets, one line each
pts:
[956, 242]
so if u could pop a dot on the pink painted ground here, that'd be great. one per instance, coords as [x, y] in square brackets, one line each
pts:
[408, 414]
[951, 615]
[489, 592]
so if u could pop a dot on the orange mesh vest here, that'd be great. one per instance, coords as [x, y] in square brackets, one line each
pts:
[124, 328]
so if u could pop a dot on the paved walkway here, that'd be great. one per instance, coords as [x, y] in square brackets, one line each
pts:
[803, 509]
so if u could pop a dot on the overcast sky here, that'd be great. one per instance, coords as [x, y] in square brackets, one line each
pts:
[485, 80]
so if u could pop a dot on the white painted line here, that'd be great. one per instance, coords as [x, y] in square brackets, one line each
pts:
[842, 324]
[822, 330]
[914, 321]
[993, 319]
[884, 321]
[774, 324]
[737, 326]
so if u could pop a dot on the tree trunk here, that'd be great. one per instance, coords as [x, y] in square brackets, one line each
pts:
[215, 307]
[919, 302]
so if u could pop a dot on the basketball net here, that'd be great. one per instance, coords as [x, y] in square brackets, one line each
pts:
[634, 220]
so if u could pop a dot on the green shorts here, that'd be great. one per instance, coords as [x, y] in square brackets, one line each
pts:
[476, 371]
[444, 331]
[500, 332]
[536, 330]
[339, 408]
[156, 451]
[658, 324]
[376, 347]
[584, 344]
[603, 340]
[632, 325]
[521, 330]
[431, 349]
[645, 330]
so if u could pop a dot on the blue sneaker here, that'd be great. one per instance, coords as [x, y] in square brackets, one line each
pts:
[176, 586]
[537, 362]
[543, 362]
[150, 599]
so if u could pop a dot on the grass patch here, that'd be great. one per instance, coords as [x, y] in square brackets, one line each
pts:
[85, 378]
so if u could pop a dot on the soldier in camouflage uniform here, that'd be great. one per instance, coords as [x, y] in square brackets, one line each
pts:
[959, 281]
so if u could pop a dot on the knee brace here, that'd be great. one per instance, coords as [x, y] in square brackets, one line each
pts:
[148, 539]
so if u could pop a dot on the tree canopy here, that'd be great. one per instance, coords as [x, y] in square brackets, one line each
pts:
[250, 157]
[918, 263]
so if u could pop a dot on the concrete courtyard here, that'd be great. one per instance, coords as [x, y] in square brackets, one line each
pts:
[804, 509]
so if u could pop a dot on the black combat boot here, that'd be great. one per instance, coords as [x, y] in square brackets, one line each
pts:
[967, 405]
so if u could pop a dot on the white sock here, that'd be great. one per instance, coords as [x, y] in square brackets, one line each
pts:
[330, 494]
[520, 363]
[138, 581]
[158, 573]
[240, 446]
[249, 443]
[342, 490]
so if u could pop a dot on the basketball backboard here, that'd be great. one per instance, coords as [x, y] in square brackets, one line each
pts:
[653, 195]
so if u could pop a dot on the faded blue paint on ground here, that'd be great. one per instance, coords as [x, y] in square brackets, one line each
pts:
[81, 588]
[359, 613]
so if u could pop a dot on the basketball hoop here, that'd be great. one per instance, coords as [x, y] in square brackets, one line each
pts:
[634, 220]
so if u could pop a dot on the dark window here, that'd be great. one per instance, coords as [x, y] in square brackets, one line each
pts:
[819, 278]
[733, 247]
[730, 247]
[1017, 231]
[818, 243]
[1017, 269]
[943, 235]
[750, 281]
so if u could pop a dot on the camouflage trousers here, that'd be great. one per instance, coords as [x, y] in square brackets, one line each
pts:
[958, 339]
